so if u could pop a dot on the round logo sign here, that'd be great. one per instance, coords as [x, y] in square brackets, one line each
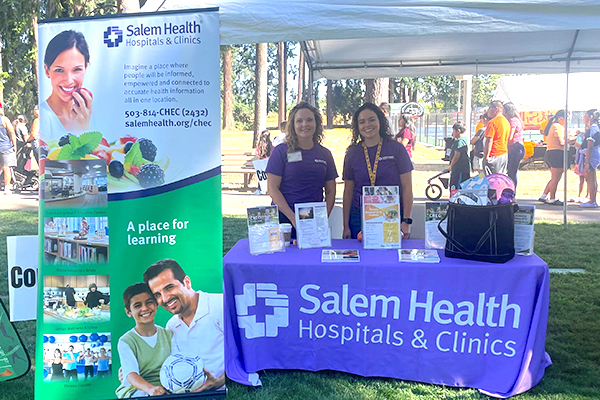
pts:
[413, 108]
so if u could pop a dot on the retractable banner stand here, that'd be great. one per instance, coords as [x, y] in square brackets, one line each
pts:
[130, 276]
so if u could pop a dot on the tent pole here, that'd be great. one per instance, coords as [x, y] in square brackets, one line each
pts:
[566, 133]
[310, 92]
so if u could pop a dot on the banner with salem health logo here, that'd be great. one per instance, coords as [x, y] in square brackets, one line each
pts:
[130, 207]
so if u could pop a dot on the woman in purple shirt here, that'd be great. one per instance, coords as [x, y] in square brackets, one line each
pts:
[389, 165]
[299, 169]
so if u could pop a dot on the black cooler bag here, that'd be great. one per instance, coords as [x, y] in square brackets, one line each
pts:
[481, 233]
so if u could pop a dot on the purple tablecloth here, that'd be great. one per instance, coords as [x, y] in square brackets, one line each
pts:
[457, 323]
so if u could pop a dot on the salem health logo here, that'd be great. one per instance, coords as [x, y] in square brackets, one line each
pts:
[113, 36]
[280, 318]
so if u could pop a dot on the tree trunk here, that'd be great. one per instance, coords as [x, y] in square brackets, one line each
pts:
[301, 76]
[281, 81]
[377, 90]
[329, 104]
[260, 103]
[392, 92]
[34, 26]
[128, 6]
[228, 123]
[1, 86]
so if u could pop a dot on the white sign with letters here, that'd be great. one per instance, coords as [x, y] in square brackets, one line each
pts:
[22, 276]
[260, 166]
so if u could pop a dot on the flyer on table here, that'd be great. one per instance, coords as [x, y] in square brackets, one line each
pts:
[130, 275]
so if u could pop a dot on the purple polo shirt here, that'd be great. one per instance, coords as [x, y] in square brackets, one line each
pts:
[393, 162]
[302, 181]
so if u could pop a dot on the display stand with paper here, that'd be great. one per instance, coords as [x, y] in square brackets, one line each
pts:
[524, 233]
[381, 217]
[312, 225]
[264, 233]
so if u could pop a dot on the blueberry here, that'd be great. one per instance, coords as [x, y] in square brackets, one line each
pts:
[64, 140]
[128, 147]
[116, 168]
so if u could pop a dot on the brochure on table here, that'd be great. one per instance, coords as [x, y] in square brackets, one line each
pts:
[418, 255]
[312, 225]
[381, 217]
[264, 233]
[132, 181]
[434, 213]
[340, 255]
[524, 229]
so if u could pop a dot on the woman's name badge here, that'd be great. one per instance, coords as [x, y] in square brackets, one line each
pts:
[295, 156]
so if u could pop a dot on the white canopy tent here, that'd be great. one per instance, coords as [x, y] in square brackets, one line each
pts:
[390, 38]
[545, 92]
[385, 38]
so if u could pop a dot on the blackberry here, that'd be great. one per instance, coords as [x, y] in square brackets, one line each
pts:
[151, 175]
[148, 149]
[65, 140]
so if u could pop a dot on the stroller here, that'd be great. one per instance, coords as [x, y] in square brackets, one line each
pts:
[433, 191]
[23, 179]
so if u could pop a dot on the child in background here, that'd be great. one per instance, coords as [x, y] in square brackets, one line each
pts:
[144, 348]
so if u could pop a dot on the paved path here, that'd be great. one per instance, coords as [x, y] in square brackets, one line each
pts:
[235, 202]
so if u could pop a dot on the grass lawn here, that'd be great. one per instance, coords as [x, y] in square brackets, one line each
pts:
[573, 339]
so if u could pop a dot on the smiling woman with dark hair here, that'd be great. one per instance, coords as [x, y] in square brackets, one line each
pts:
[68, 109]
[374, 158]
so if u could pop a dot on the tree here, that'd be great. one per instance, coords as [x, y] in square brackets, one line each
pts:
[347, 97]
[260, 103]
[228, 123]
[281, 80]
[483, 89]
[128, 6]
[377, 90]
[301, 76]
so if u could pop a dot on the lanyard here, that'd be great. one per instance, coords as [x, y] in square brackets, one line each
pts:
[372, 172]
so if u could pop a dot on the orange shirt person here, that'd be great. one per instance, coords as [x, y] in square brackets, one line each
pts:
[495, 154]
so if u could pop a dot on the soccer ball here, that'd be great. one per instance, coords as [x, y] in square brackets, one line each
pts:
[181, 374]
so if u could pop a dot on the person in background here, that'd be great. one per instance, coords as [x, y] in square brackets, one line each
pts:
[406, 135]
[478, 146]
[385, 109]
[103, 360]
[264, 146]
[576, 140]
[481, 122]
[89, 360]
[374, 158]
[554, 157]
[591, 159]
[280, 138]
[56, 363]
[34, 133]
[460, 169]
[8, 149]
[543, 126]
[516, 149]
[70, 295]
[300, 169]
[495, 153]
[21, 131]
[94, 296]
[70, 362]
